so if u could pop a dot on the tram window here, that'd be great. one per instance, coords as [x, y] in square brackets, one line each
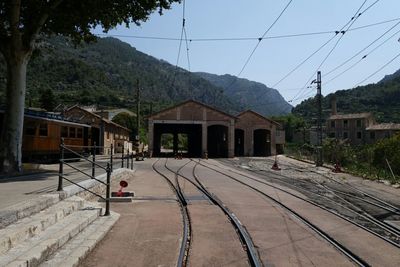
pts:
[64, 131]
[30, 129]
[43, 131]
[79, 133]
[72, 132]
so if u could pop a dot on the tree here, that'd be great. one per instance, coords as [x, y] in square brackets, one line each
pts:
[126, 120]
[47, 100]
[21, 25]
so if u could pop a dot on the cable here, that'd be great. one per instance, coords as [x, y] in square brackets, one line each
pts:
[348, 25]
[363, 57]
[258, 43]
[260, 39]
[390, 61]
[180, 43]
[362, 50]
[242, 38]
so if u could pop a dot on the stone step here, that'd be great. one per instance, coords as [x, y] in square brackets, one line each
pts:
[74, 251]
[33, 225]
[37, 249]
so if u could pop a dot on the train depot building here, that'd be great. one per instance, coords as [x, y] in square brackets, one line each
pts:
[198, 130]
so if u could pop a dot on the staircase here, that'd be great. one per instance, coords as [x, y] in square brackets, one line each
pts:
[59, 235]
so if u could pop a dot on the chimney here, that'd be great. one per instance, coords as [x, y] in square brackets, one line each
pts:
[333, 105]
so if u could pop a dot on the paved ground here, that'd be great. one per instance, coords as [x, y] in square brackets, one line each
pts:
[149, 231]
[28, 186]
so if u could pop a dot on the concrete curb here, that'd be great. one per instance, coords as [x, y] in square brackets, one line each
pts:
[32, 206]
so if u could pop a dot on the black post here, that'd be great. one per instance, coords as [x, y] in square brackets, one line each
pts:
[94, 160]
[122, 157]
[319, 122]
[107, 213]
[61, 168]
[132, 161]
[111, 157]
[127, 159]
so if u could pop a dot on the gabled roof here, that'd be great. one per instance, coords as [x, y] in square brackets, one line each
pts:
[98, 116]
[258, 115]
[384, 126]
[350, 116]
[191, 101]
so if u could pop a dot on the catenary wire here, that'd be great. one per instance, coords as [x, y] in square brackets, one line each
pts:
[369, 76]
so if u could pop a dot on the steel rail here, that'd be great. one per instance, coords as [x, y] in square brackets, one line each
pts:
[352, 256]
[348, 185]
[244, 236]
[185, 243]
[316, 204]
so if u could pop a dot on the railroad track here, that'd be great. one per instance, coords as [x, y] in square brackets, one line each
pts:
[244, 236]
[347, 252]
[392, 232]
[187, 229]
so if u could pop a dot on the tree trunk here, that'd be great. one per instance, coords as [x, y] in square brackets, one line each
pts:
[11, 135]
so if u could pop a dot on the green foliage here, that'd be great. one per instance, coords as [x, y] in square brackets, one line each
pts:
[291, 123]
[88, 73]
[382, 99]
[388, 149]
[368, 160]
[126, 120]
[47, 100]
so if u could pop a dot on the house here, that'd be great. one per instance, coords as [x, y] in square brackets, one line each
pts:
[103, 132]
[358, 128]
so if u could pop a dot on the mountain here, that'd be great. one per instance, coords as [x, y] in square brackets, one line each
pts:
[382, 99]
[106, 73]
[250, 94]
[390, 77]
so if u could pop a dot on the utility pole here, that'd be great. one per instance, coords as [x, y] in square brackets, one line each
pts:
[319, 161]
[137, 117]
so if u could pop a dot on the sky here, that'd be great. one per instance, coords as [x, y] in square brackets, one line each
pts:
[276, 62]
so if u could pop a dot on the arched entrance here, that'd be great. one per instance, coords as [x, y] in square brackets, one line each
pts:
[217, 141]
[239, 142]
[262, 142]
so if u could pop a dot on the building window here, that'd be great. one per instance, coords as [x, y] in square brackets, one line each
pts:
[79, 133]
[72, 132]
[358, 123]
[332, 124]
[30, 129]
[108, 135]
[358, 135]
[43, 129]
[332, 135]
[345, 135]
[372, 135]
[64, 131]
[345, 123]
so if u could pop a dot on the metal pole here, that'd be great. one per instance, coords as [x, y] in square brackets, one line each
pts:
[61, 167]
[132, 161]
[111, 157]
[138, 117]
[319, 122]
[94, 160]
[127, 159]
[107, 213]
[122, 157]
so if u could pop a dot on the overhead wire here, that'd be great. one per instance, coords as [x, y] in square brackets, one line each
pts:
[362, 58]
[357, 14]
[343, 31]
[362, 50]
[180, 43]
[257, 45]
[243, 38]
[369, 76]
